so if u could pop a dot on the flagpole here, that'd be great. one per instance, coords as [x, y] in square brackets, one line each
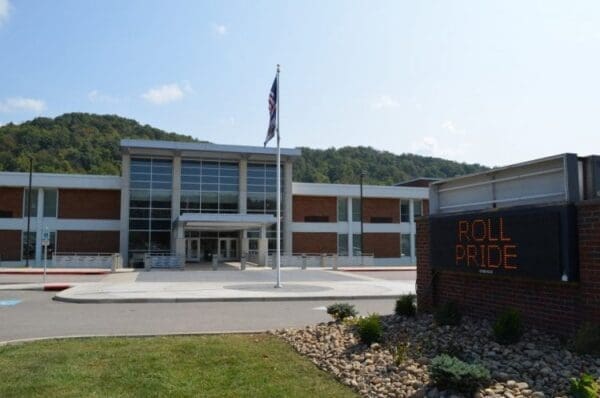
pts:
[278, 252]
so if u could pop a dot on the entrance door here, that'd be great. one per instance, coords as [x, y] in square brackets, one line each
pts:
[192, 249]
[228, 249]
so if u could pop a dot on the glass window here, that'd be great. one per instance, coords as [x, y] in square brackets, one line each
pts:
[356, 245]
[262, 188]
[405, 248]
[404, 211]
[50, 196]
[150, 207]
[342, 244]
[34, 195]
[28, 245]
[215, 183]
[418, 210]
[342, 209]
[356, 209]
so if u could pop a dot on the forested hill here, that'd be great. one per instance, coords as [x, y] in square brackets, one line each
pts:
[89, 144]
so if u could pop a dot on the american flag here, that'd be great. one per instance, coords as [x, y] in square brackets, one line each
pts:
[272, 112]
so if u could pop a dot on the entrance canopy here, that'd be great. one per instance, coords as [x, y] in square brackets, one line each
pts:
[216, 222]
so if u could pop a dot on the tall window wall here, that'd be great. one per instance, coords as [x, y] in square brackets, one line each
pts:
[262, 188]
[209, 186]
[151, 183]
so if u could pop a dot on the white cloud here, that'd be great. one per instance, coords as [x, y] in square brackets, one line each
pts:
[221, 30]
[385, 102]
[20, 104]
[431, 146]
[165, 94]
[450, 126]
[97, 96]
[5, 8]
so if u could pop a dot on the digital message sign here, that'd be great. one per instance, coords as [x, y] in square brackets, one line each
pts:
[535, 242]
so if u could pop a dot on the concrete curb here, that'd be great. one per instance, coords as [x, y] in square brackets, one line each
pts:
[132, 335]
[37, 271]
[219, 299]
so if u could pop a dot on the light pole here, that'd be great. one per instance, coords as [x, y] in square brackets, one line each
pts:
[362, 240]
[28, 240]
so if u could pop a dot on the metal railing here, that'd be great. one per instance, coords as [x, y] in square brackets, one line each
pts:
[163, 260]
[86, 260]
[321, 260]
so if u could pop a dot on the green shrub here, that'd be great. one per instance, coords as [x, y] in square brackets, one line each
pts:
[584, 387]
[341, 311]
[401, 353]
[453, 349]
[447, 314]
[508, 328]
[406, 306]
[369, 329]
[587, 339]
[451, 373]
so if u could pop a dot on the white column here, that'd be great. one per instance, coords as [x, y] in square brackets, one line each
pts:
[39, 227]
[287, 207]
[411, 218]
[263, 246]
[176, 204]
[350, 230]
[180, 241]
[243, 179]
[124, 234]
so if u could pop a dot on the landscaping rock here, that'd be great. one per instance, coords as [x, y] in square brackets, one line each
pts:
[537, 367]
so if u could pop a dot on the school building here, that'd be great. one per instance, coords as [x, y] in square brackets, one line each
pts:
[194, 201]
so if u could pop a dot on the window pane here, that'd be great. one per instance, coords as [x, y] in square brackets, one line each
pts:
[139, 240]
[29, 246]
[356, 245]
[404, 208]
[139, 198]
[161, 199]
[355, 209]
[405, 248]
[256, 201]
[34, 193]
[210, 200]
[160, 241]
[343, 210]
[50, 203]
[418, 210]
[343, 244]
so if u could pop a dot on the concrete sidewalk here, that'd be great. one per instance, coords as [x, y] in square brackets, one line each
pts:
[207, 286]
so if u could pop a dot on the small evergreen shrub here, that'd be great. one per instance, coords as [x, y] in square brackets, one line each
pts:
[584, 387]
[587, 339]
[508, 328]
[369, 329]
[447, 314]
[341, 311]
[401, 353]
[451, 373]
[406, 306]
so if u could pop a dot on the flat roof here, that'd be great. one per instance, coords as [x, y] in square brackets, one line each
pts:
[369, 191]
[207, 147]
[54, 180]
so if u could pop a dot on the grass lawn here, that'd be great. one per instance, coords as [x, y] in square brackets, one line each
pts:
[185, 366]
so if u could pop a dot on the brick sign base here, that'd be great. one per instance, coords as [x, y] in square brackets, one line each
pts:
[555, 306]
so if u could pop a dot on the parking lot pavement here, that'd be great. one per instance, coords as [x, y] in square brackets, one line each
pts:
[36, 315]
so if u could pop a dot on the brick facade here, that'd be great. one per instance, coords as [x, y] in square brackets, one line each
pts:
[314, 242]
[322, 207]
[87, 241]
[10, 245]
[11, 202]
[557, 306]
[382, 209]
[382, 245]
[89, 204]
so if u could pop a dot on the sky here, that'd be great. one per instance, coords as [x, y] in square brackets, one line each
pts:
[492, 82]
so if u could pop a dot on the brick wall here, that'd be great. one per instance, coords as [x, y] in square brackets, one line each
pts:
[11, 202]
[10, 245]
[382, 245]
[314, 242]
[381, 208]
[557, 306]
[87, 241]
[314, 206]
[93, 204]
